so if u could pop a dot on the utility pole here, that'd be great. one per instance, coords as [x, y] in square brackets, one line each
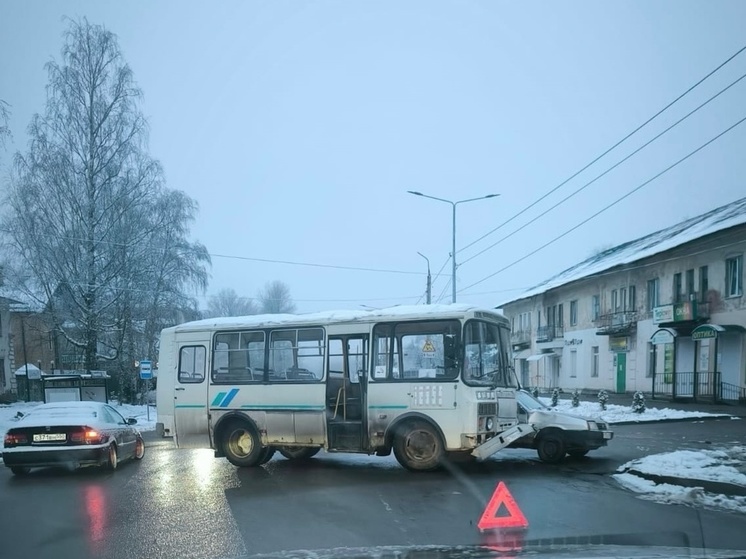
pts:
[429, 280]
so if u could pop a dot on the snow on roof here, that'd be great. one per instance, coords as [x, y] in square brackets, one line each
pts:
[721, 218]
[336, 317]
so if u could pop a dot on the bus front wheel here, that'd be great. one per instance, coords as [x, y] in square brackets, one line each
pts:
[242, 445]
[298, 453]
[418, 447]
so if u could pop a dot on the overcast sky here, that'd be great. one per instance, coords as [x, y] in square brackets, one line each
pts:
[299, 127]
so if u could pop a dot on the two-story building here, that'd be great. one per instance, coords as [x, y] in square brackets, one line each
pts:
[665, 313]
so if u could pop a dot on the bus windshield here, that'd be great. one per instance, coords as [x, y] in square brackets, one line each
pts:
[486, 353]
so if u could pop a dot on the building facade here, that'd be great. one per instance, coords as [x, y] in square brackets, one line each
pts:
[665, 314]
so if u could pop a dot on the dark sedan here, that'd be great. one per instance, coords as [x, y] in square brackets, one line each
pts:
[71, 435]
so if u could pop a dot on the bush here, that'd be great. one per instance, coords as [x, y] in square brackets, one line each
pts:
[638, 402]
[535, 392]
[603, 397]
[555, 396]
[575, 398]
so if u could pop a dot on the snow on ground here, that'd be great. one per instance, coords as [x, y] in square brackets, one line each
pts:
[722, 465]
[616, 414]
[9, 412]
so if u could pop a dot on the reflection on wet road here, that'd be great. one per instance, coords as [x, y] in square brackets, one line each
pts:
[186, 503]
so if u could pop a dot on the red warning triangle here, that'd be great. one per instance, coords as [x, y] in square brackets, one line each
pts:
[514, 518]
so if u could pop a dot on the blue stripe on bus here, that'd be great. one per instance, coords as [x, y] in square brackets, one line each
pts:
[189, 406]
[229, 398]
[218, 398]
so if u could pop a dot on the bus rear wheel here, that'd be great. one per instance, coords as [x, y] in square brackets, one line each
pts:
[298, 452]
[242, 445]
[418, 446]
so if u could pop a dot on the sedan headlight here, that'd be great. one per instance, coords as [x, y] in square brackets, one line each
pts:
[490, 424]
[592, 426]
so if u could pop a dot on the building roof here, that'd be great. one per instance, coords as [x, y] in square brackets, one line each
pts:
[721, 218]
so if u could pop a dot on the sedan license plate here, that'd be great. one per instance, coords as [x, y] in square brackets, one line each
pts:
[608, 434]
[49, 437]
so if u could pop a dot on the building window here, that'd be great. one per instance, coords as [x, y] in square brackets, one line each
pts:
[573, 313]
[653, 290]
[594, 361]
[632, 299]
[704, 285]
[614, 300]
[677, 295]
[2, 373]
[689, 284]
[623, 298]
[734, 276]
[596, 307]
[560, 315]
[573, 363]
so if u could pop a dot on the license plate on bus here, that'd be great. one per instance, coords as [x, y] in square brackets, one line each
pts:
[49, 437]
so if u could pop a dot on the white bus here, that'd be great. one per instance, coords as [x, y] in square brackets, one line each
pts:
[427, 382]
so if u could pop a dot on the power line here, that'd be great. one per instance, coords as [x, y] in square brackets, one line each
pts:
[607, 171]
[557, 238]
[648, 121]
[445, 290]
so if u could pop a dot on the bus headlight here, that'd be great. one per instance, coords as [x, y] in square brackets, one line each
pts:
[490, 424]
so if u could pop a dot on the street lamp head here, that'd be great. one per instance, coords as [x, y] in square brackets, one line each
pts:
[492, 196]
[415, 192]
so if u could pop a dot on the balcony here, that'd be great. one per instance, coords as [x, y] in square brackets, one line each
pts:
[549, 332]
[681, 313]
[616, 323]
[520, 339]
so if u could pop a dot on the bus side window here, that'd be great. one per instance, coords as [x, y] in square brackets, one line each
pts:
[192, 364]
[357, 358]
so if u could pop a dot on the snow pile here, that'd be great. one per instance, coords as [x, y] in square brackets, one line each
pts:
[722, 466]
[9, 413]
[618, 414]
[707, 465]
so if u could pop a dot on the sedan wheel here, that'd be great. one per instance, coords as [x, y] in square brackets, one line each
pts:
[20, 470]
[139, 449]
[112, 460]
[551, 449]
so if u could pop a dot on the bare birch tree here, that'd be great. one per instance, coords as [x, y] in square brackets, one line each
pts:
[227, 302]
[98, 240]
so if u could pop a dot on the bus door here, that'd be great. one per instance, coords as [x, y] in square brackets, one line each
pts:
[415, 371]
[190, 397]
[345, 392]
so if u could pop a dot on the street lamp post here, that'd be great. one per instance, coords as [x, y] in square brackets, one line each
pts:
[429, 279]
[453, 250]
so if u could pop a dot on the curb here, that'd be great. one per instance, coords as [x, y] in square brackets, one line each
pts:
[674, 420]
[729, 489]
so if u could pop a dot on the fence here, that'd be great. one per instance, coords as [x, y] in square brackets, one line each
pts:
[689, 385]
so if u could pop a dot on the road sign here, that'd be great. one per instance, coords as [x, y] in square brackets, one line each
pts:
[428, 347]
[514, 518]
[146, 370]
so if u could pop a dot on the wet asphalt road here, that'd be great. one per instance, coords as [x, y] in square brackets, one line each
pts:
[186, 503]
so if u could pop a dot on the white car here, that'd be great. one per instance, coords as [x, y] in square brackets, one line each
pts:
[557, 434]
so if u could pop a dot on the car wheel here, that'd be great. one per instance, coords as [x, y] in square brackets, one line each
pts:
[112, 459]
[418, 447]
[298, 453]
[577, 453]
[267, 453]
[242, 445]
[20, 470]
[551, 449]
[139, 448]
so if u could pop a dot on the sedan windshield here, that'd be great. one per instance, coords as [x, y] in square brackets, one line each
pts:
[486, 360]
[528, 402]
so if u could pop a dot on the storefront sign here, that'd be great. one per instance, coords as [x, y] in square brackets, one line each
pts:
[574, 341]
[704, 334]
[684, 311]
[664, 313]
[662, 337]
